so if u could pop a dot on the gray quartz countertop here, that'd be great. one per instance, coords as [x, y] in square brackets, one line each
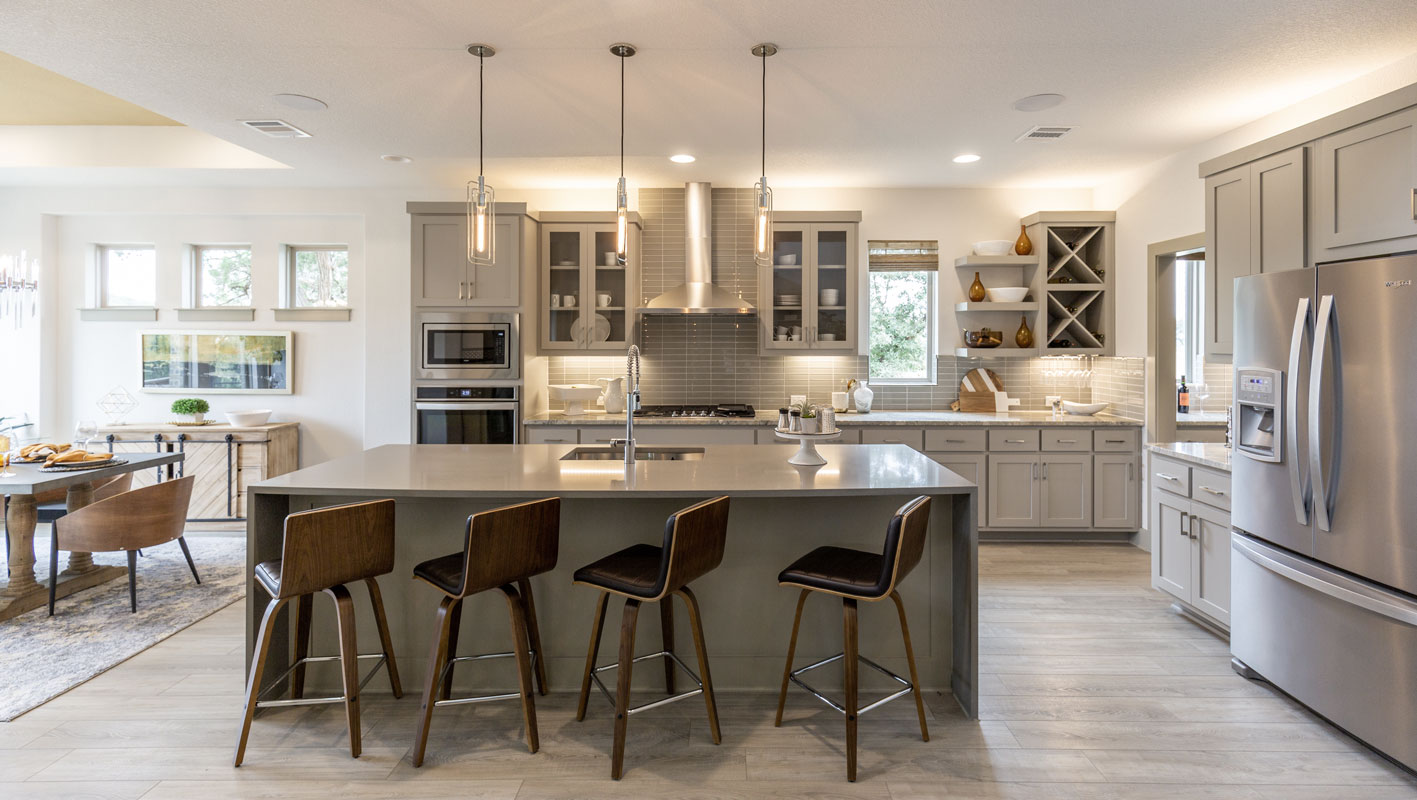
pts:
[1206, 454]
[875, 418]
[536, 470]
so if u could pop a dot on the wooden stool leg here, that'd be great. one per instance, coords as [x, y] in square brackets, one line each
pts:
[791, 652]
[435, 667]
[622, 689]
[454, 628]
[253, 684]
[666, 629]
[133, 581]
[301, 610]
[696, 624]
[521, 647]
[850, 661]
[381, 621]
[910, 661]
[182, 540]
[534, 633]
[349, 663]
[595, 630]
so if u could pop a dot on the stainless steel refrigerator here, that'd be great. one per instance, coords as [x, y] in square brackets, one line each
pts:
[1324, 518]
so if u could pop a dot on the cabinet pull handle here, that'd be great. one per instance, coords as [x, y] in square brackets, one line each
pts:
[1165, 477]
[1193, 527]
[1130, 473]
[1015, 441]
[954, 441]
[1045, 470]
[1035, 470]
[1115, 441]
[460, 289]
[1216, 492]
[890, 441]
[1185, 525]
[1067, 441]
[1414, 202]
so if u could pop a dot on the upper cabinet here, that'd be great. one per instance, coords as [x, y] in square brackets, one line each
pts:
[1367, 186]
[442, 276]
[807, 299]
[587, 300]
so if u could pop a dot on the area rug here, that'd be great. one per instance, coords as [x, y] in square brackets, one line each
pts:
[93, 630]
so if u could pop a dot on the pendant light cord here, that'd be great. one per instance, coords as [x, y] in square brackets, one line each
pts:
[622, 116]
[480, 64]
[765, 113]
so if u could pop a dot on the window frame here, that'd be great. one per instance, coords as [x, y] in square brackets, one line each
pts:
[288, 283]
[198, 274]
[101, 279]
[932, 318]
[1194, 367]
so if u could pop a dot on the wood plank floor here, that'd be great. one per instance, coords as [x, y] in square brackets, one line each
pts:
[1092, 688]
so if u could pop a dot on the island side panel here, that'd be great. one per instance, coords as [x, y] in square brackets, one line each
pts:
[964, 584]
[265, 530]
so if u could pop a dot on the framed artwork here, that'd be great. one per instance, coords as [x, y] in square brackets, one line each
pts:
[217, 362]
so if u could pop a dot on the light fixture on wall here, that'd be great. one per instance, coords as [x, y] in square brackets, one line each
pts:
[762, 234]
[481, 198]
[622, 197]
[19, 287]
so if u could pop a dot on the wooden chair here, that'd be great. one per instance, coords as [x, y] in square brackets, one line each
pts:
[694, 539]
[502, 547]
[51, 505]
[855, 575]
[126, 521]
[324, 549]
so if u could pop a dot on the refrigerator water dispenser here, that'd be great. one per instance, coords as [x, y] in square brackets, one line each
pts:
[1259, 405]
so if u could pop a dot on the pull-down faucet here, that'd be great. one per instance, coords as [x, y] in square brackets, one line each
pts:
[632, 403]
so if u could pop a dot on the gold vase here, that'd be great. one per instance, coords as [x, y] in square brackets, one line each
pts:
[1024, 337]
[1023, 246]
[976, 290]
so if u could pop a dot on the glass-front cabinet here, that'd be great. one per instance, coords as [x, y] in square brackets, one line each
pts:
[808, 298]
[587, 299]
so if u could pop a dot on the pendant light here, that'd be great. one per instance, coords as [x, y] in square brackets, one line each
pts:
[622, 197]
[762, 232]
[481, 198]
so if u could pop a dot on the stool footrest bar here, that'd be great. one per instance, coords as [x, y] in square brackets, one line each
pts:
[310, 701]
[699, 684]
[909, 687]
[480, 698]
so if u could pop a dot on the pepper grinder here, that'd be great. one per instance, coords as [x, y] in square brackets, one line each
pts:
[783, 420]
[795, 424]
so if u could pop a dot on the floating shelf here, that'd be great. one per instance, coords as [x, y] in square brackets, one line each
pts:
[976, 262]
[996, 352]
[987, 306]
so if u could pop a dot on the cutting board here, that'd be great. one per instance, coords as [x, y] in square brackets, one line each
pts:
[976, 390]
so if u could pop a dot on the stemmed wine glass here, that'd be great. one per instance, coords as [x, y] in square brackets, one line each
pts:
[86, 430]
[9, 451]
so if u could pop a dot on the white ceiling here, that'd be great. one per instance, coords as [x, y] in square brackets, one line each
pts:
[861, 94]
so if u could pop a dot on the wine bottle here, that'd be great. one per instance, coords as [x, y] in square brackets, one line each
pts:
[1183, 398]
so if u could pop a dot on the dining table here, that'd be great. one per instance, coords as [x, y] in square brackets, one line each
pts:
[23, 592]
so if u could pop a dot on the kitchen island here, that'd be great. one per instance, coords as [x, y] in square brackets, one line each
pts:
[779, 512]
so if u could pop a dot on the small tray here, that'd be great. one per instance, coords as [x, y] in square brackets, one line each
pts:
[110, 462]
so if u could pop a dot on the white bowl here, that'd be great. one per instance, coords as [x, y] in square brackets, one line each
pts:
[993, 247]
[789, 260]
[1007, 294]
[248, 419]
[575, 396]
[1083, 409]
[827, 337]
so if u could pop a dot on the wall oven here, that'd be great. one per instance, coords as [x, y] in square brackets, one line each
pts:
[468, 346]
[467, 415]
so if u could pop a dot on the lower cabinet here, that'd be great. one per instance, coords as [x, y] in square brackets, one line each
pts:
[1013, 491]
[1049, 491]
[1190, 549]
[1116, 492]
[971, 467]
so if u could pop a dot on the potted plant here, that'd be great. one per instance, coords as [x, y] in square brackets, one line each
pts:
[194, 407]
[809, 417]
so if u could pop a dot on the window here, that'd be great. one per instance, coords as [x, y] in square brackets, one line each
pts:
[902, 288]
[223, 276]
[1190, 327]
[317, 277]
[127, 276]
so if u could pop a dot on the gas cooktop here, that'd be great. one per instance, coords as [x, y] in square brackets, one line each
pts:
[720, 410]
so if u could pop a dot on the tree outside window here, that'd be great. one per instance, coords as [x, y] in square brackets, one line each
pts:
[319, 277]
[224, 276]
[902, 346]
[129, 276]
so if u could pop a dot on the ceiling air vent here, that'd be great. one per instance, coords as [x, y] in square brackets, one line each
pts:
[275, 128]
[1044, 133]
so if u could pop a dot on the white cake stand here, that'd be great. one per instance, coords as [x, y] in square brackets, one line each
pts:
[807, 455]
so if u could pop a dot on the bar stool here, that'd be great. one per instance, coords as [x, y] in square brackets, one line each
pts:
[693, 546]
[322, 550]
[503, 546]
[855, 575]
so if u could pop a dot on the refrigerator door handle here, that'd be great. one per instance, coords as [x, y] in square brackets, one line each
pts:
[1324, 490]
[1299, 486]
[1334, 585]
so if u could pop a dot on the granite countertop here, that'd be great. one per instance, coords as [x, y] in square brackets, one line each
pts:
[849, 420]
[1206, 454]
[1201, 419]
[536, 470]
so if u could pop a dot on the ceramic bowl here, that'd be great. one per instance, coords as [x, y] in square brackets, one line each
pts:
[248, 419]
[789, 260]
[1007, 294]
[993, 247]
[1083, 409]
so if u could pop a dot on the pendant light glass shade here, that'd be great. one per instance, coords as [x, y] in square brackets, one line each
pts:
[622, 197]
[762, 222]
[481, 198]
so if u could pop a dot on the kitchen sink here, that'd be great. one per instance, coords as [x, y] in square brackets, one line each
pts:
[641, 454]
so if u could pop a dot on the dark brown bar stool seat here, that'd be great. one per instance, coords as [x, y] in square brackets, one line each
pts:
[693, 546]
[502, 547]
[322, 550]
[855, 575]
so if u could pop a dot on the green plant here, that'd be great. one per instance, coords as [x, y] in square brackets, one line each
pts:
[808, 410]
[190, 406]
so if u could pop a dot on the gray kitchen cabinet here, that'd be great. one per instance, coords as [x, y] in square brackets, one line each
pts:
[971, 467]
[1210, 578]
[1279, 192]
[1013, 491]
[551, 434]
[811, 285]
[1171, 545]
[578, 270]
[1115, 495]
[1367, 186]
[1065, 489]
[1190, 524]
[913, 438]
[442, 276]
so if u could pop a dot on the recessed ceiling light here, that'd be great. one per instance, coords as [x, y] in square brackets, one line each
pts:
[301, 102]
[682, 158]
[397, 159]
[1038, 102]
[966, 158]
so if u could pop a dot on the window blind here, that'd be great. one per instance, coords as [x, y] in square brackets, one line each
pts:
[903, 256]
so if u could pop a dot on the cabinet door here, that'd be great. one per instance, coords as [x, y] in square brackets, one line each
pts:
[1279, 192]
[440, 260]
[562, 250]
[1066, 491]
[833, 288]
[1115, 494]
[551, 434]
[500, 283]
[1013, 491]
[1367, 183]
[969, 466]
[1171, 545]
[1227, 252]
[1210, 561]
[609, 304]
[783, 289]
[214, 490]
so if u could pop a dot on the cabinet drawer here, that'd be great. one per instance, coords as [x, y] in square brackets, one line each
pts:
[1211, 488]
[914, 437]
[1015, 440]
[1171, 476]
[1114, 441]
[551, 435]
[1066, 440]
[956, 440]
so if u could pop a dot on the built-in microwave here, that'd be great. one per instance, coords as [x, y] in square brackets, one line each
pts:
[468, 346]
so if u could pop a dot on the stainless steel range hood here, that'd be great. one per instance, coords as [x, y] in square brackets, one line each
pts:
[698, 294]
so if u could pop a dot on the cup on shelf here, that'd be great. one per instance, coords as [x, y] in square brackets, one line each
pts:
[569, 301]
[787, 260]
[839, 401]
[796, 337]
[781, 330]
[830, 297]
[602, 299]
[555, 301]
[608, 259]
[781, 337]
